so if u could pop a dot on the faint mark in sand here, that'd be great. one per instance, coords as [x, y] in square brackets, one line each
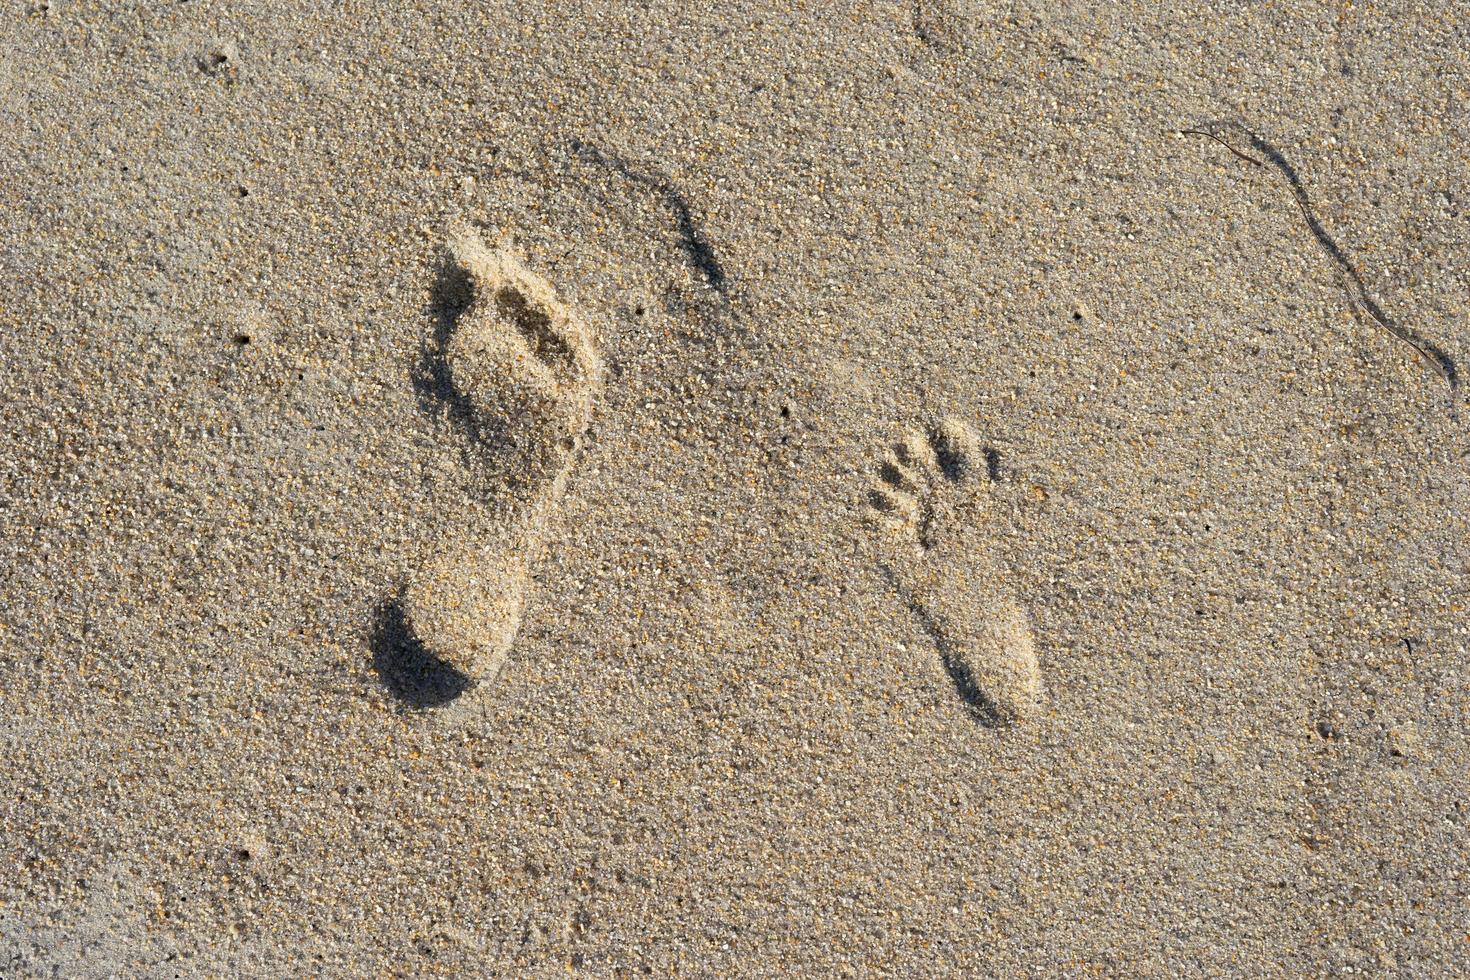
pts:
[930, 505]
[947, 27]
[111, 930]
[515, 369]
[220, 58]
[936, 23]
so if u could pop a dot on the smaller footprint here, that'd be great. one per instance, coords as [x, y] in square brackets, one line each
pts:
[931, 508]
[520, 374]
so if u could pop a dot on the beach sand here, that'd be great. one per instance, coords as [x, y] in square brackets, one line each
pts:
[964, 524]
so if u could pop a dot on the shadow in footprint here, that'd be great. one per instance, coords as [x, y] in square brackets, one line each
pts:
[486, 439]
[449, 297]
[410, 672]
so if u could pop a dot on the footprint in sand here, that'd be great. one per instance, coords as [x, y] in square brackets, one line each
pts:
[519, 372]
[931, 505]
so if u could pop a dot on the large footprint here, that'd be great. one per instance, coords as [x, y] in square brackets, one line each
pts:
[931, 501]
[523, 372]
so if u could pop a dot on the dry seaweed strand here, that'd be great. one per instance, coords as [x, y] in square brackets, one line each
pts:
[1443, 365]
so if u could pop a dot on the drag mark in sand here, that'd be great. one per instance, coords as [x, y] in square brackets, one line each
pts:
[930, 502]
[1442, 363]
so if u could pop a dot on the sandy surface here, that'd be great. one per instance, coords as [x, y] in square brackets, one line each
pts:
[1230, 507]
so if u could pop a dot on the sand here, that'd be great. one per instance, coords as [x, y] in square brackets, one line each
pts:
[1221, 558]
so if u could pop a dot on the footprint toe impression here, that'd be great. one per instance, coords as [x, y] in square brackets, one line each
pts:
[931, 495]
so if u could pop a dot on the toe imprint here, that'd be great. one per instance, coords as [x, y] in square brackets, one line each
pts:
[927, 475]
[524, 363]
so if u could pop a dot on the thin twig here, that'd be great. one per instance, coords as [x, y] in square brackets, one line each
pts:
[1200, 132]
